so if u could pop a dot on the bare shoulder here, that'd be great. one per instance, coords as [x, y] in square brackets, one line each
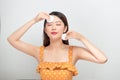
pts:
[76, 50]
[79, 49]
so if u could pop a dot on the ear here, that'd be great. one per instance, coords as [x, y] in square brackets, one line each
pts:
[65, 29]
[45, 30]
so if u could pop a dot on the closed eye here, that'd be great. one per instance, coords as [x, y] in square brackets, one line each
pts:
[58, 24]
[49, 24]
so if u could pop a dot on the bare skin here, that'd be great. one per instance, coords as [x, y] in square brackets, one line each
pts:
[56, 51]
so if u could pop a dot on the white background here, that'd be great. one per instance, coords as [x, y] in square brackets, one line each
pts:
[98, 20]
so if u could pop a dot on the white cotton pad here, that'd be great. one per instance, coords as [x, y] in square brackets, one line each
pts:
[63, 36]
[51, 19]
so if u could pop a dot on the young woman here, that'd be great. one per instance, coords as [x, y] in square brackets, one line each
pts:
[56, 57]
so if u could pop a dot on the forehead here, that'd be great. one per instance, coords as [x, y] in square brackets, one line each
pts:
[57, 19]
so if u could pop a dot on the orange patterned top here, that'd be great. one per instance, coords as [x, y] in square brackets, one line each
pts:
[56, 70]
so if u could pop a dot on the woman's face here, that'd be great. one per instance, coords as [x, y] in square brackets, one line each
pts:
[55, 28]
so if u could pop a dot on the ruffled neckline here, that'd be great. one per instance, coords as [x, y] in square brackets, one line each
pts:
[57, 66]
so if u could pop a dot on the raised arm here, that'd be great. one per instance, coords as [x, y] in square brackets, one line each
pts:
[90, 53]
[14, 38]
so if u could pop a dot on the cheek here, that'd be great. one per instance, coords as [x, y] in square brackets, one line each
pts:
[62, 29]
[47, 31]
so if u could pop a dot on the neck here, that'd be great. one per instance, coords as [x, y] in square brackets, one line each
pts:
[56, 44]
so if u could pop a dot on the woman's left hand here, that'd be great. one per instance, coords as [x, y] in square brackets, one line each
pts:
[73, 35]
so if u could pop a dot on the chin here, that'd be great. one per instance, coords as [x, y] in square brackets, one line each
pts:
[55, 38]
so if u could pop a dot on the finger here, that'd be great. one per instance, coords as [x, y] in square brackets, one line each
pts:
[69, 32]
[66, 37]
[47, 16]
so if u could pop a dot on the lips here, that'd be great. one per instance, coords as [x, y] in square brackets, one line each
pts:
[54, 33]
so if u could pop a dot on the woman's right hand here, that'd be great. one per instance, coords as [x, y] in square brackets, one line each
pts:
[41, 16]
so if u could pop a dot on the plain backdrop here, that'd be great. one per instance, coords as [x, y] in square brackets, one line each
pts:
[97, 20]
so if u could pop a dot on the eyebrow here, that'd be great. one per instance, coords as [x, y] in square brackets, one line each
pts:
[55, 22]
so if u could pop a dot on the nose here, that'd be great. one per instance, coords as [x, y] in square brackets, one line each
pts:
[53, 27]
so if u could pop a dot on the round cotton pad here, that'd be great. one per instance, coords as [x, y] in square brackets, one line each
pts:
[51, 19]
[63, 36]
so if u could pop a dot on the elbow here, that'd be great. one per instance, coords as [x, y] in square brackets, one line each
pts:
[10, 40]
[102, 61]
